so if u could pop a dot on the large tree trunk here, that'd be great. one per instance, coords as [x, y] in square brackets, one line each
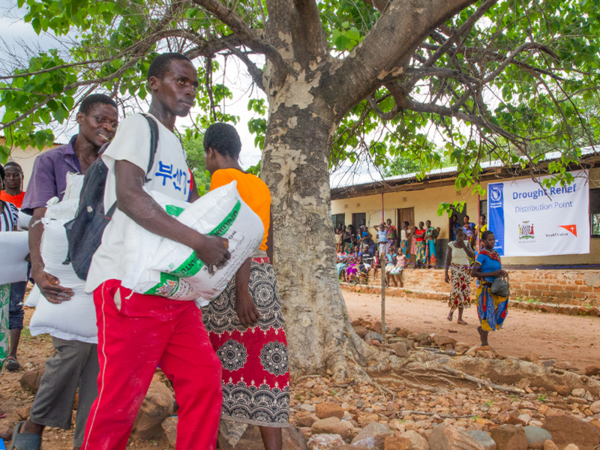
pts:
[295, 166]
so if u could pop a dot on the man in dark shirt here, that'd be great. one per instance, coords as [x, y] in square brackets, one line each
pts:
[75, 365]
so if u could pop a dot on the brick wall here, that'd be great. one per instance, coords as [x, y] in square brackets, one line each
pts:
[561, 287]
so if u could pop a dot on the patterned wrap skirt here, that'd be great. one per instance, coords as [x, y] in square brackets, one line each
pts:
[421, 254]
[256, 379]
[4, 324]
[460, 295]
[491, 309]
[430, 253]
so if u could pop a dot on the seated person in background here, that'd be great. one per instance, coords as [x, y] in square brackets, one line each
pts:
[363, 270]
[396, 271]
[367, 256]
[390, 262]
[341, 259]
[352, 266]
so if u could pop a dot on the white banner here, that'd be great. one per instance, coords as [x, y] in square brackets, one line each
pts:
[529, 220]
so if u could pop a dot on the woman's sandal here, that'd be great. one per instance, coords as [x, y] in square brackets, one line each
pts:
[25, 441]
[461, 322]
[11, 364]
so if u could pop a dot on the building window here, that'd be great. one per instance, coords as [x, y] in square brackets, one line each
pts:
[595, 212]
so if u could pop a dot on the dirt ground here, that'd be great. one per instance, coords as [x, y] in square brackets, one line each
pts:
[565, 338]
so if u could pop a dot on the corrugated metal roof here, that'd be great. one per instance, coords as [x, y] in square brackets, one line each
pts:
[349, 176]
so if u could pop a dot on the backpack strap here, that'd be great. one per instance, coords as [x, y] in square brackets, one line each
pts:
[153, 143]
[153, 147]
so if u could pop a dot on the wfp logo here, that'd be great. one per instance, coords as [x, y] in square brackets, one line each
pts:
[495, 194]
[526, 231]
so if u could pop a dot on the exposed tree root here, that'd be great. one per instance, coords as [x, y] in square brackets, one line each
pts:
[481, 382]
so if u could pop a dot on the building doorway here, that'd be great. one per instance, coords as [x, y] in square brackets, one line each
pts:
[339, 220]
[406, 215]
[359, 219]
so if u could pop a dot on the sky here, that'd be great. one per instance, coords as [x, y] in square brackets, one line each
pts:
[15, 31]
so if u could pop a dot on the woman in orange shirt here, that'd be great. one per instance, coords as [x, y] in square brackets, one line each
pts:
[245, 324]
[13, 184]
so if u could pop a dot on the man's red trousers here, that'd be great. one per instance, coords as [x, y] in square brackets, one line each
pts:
[137, 333]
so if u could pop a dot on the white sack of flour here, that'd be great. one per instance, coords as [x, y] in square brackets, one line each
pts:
[222, 213]
[74, 319]
[15, 247]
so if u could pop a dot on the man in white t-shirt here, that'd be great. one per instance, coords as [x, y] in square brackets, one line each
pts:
[137, 333]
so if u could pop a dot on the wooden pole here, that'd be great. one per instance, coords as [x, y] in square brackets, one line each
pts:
[382, 264]
[475, 250]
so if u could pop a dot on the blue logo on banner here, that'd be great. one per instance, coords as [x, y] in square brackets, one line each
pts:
[496, 214]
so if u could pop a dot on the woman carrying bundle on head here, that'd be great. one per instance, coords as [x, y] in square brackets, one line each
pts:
[245, 323]
[458, 261]
[492, 309]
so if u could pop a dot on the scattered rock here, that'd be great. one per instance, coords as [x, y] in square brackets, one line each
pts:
[441, 340]
[548, 362]
[595, 407]
[410, 440]
[306, 419]
[400, 349]
[531, 357]
[447, 437]
[578, 393]
[509, 437]
[308, 408]
[325, 441]
[563, 389]
[373, 434]
[23, 412]
[361, 331]
[30, 380]
[332, 425]
[536, 437]
[325, 410]
[156, 407]
[483, 438]
[571, 447]
[372, 336]
[549, 445]
[569, 430]
[592, 371]
[353, 447]
[169, 425]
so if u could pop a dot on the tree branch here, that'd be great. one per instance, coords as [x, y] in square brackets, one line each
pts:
[209, 47]
[254, 71]
[387, 49]
[380, 5]
[248, 36]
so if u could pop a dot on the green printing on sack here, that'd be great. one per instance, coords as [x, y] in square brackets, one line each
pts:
[193, 264]
[167, 286]
[174, 210]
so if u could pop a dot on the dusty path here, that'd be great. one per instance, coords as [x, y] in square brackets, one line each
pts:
[564, 338]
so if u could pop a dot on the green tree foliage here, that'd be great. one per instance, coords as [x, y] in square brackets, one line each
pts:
[194, 148]
[506, 80]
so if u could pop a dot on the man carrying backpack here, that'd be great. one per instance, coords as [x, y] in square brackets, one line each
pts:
[75, 363]
[137, 333]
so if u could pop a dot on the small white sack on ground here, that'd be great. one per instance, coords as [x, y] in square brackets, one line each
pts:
[15, 247]
[74, 319]
[222, 213]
